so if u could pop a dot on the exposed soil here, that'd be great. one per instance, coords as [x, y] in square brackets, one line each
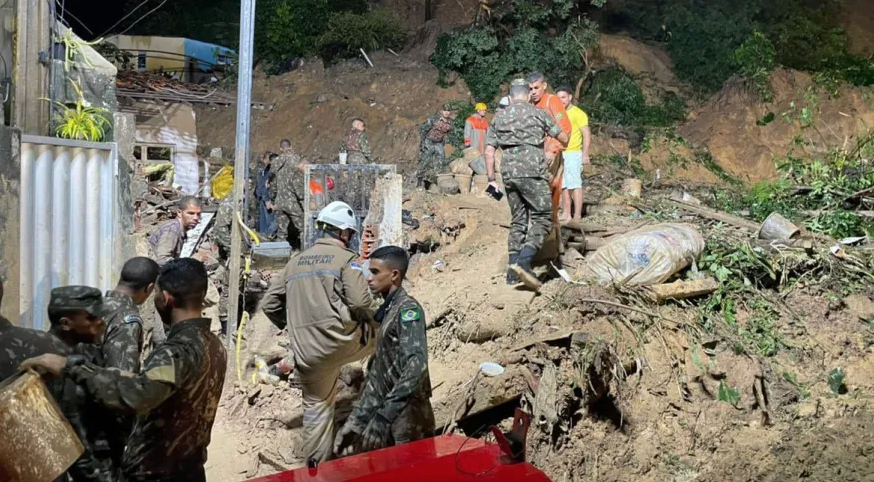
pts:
[653, 411]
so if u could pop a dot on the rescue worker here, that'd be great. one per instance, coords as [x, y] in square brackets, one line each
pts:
[76, 316]
[552, 147]
[166, 244]
[356, 145]
[176, 395]
[122, 346]
[322, 297]
[286, 191]
[395, 407]
[123, 342]
[432, 156]
[519, 130]
[475, 128]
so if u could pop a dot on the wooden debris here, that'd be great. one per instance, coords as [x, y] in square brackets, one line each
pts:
[680, 290]
[717, 215]
[546, 397]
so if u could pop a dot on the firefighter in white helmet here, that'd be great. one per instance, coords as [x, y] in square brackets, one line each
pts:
[323, 297]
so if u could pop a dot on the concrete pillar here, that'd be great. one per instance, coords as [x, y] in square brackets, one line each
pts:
[10, 226]
[129, 188]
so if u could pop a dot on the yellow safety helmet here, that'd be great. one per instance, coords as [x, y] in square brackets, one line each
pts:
[481, 106]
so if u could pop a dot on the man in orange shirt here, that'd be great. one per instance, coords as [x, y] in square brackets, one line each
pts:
[552, 147]
[475, 128]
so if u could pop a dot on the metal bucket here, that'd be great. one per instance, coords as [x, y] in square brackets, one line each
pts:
[776, 226]
[37, 443]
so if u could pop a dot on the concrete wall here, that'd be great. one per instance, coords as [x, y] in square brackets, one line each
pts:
[172, 124]
[10, 207]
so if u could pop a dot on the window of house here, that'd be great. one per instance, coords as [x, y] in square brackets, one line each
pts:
[141, 61]
[154, 153]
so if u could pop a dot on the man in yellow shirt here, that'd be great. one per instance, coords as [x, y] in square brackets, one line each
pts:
[575, 156]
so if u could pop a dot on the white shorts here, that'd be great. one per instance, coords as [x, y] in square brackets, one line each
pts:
[573, 170]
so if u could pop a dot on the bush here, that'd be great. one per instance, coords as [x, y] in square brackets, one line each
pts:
[348, 32]
[755, 57]
[475, 55]
[288, 29]
[615, 98]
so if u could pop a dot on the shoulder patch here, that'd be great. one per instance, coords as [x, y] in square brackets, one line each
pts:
[411, 315]
[133, 318]
[355, 265]
[559, 116]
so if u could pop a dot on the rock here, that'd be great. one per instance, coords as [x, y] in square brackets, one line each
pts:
[216, 153]
[860, 306]
[449, 186]
[321, 99]
[806, 409]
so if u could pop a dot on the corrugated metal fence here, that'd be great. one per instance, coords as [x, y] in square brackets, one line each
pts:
[69, 219]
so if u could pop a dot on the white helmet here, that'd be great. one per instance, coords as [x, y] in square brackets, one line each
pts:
[339, 215]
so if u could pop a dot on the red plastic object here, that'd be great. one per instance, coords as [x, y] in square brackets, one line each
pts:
[330, 183]
[444, 458]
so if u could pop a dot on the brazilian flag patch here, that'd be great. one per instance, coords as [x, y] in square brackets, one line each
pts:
[411, 315]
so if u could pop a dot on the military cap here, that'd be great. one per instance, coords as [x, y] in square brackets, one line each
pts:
[76, 298]
[447, 107]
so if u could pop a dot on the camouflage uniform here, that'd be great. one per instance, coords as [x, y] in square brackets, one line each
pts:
[221, 235]
[357, 147]
[286, 190]
[175, 399]
[122, 348]
[19, 344]
[396, 403]
[519, 130]
[432, 156]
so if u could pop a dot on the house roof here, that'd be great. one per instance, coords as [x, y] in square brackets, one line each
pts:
[144, 86]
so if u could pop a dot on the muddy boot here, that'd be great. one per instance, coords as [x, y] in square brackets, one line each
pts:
[522, 268]
[512, 278]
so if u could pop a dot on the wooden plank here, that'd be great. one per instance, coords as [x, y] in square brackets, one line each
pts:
[716, 215]
[680, 290]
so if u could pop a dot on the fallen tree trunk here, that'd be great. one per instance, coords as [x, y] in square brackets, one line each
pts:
[716, 215]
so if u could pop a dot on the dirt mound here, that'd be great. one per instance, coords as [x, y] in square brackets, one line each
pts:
[649, 64]
[744, 135]
[314, 106]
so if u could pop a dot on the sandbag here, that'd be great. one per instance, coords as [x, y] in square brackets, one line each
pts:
[460, 166]
[646, 256]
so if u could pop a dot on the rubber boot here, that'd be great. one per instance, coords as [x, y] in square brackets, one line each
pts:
[512, 278]
[522, 268]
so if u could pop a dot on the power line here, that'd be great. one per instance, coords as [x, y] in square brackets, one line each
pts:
[123, 18]
[144, 16]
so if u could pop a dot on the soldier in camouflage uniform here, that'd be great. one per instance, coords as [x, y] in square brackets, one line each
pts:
[356, 145]
[176, 396]
[221, 235]
[122, 346]
[286, 190]
[76, 315]
[432, 156]
[395, 407]
[519, 130]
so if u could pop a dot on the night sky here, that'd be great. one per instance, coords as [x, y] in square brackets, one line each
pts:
[99, 15]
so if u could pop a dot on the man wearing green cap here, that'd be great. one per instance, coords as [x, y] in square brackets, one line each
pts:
[76, 315]
[175, 396]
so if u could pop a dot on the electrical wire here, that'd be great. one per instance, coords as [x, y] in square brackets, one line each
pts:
[123, 18]
[144, 16]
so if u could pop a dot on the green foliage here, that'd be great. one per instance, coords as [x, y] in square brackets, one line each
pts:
[837, 381]
[80, 121]
[755, 57]
[803, 389]
[288, 29]
[514, 45]
[347, 32]
[121, 58]
[730, 395]
[615, 98]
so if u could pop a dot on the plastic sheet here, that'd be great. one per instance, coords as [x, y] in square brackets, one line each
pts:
[646, 256]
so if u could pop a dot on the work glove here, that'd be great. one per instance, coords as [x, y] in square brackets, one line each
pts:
[346, 438]
[376, 434]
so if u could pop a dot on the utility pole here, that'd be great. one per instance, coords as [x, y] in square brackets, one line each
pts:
[30, 77]
[241, 160]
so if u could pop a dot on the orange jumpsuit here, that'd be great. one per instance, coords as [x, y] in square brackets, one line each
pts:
[554, 107]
